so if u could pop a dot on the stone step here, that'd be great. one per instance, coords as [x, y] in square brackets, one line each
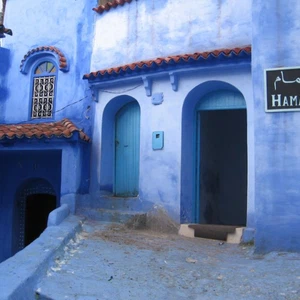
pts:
[231, 234]
[109, 202]
[107, 215]
[236, 237]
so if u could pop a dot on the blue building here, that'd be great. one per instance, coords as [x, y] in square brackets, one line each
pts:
[126, 104]
[45, 117]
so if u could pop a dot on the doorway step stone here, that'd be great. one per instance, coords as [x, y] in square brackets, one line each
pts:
[230, 234]
[236, 237]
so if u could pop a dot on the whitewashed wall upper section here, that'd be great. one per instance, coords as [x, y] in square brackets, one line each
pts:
[148, 29]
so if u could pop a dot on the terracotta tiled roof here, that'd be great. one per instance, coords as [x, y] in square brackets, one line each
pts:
[61, 129]
[102, 8]
[63, 64]
[171, 61]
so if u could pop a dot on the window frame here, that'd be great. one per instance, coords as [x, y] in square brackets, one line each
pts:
[44, 74]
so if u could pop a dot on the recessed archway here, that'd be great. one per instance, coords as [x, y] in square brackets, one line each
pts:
[107, 170]
[195, 177]
[221, 181]
[35, 199]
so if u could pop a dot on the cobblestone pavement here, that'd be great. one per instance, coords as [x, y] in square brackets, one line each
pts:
[112, 262]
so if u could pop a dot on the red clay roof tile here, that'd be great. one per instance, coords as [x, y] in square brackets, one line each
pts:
[102, 8]
[61, 129]
[63, 65]
[146, 65]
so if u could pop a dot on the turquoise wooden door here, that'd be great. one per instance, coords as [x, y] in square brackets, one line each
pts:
[127, 150]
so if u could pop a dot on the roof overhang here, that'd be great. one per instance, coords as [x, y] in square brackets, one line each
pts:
[50, 131]
[171, 66]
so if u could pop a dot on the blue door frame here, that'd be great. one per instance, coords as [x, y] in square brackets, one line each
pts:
[217, 100]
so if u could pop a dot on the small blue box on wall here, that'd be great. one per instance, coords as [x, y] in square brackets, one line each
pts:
[157, 140]
[157, 98]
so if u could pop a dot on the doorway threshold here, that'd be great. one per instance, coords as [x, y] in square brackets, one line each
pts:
[229, 233]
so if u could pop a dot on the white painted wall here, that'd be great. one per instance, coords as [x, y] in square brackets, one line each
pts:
[160, 170]
[147, 29]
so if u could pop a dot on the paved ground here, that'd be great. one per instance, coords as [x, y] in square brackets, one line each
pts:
[111, 262]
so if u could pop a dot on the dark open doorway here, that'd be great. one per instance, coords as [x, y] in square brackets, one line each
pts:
[223, 167]
[38, 207]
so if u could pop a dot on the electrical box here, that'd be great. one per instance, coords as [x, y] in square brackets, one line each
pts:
[157, 140]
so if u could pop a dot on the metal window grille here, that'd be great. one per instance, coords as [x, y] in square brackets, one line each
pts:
[43, 97]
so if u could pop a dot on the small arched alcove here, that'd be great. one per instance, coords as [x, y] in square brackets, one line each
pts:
[214, 156]
[120, 147]
[35, 199]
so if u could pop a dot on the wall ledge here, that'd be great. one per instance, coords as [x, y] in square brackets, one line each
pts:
[20, 273]
[58, 215]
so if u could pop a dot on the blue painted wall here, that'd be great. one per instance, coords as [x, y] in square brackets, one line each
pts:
[122, 35]
[4, 67]
[18, 167]
[71, 31]
[277, 139]
[53, 161]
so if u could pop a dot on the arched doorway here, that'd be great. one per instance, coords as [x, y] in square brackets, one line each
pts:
[115, 110]
[127, 150]
[221, 159]
[35, 199]
[214, 122]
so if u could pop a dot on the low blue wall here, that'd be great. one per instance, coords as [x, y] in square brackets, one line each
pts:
[20, 273]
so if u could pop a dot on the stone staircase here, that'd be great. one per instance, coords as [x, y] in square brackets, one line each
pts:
[107, 215]
[107, 208]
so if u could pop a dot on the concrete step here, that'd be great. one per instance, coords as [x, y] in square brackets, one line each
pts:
[230, 234]
[107, 215]
[236, 237]
[110, 202]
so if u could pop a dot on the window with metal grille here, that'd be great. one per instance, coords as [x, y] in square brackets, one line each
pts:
[43, 90]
